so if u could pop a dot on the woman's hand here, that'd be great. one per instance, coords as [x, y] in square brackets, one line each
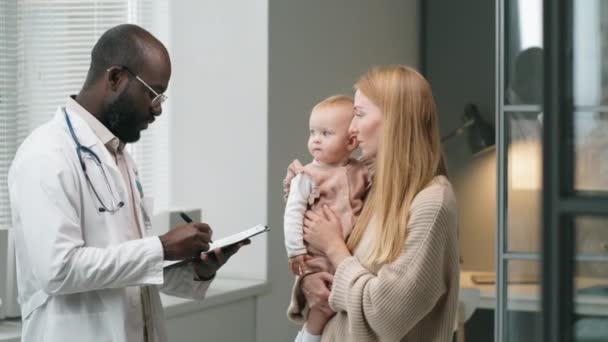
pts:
[324, 232]
[316, 288]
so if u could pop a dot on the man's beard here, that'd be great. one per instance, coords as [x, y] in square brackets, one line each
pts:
[121, 118]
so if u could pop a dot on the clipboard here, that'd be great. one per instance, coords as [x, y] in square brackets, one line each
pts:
[221, 243]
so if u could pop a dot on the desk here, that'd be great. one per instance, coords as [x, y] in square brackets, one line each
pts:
[525, 297]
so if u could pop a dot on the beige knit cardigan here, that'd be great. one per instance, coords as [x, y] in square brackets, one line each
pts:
[413, 298]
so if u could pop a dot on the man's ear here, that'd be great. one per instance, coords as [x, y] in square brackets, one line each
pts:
[352, 142]
[114, 77]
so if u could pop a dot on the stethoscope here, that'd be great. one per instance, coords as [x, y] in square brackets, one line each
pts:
[116, 203]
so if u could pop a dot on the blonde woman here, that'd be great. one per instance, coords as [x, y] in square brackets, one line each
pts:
[397, 275]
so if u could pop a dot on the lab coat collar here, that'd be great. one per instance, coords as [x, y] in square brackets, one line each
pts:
[85, 134]
[102, 132]
[87, 137]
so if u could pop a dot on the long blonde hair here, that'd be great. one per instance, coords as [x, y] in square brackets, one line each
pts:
[409, 156]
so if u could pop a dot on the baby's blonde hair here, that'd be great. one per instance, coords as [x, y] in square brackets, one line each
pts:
[334, 100]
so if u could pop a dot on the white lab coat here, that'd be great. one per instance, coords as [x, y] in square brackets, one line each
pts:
[73, 262]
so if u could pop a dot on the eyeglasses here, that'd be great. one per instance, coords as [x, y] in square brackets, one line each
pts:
[158, 98]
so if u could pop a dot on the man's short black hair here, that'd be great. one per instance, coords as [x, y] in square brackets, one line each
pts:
[122, 45]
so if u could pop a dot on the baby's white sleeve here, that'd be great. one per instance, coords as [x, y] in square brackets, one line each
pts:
[293, 221]
[305, 336]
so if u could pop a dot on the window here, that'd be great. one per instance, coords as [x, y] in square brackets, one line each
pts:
[8, 100]
[45, 54]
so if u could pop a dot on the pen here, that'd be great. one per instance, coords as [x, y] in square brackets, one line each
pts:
[187, 218]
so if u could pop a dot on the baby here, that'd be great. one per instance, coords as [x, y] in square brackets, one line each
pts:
[334, 179]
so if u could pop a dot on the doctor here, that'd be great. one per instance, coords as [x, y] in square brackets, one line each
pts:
[87, 271]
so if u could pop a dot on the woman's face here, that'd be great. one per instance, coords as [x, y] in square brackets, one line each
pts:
[366, 125]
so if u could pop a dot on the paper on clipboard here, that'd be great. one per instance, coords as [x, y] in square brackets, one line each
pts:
[224, 242]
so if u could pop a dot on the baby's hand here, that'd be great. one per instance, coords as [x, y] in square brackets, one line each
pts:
[297, 264]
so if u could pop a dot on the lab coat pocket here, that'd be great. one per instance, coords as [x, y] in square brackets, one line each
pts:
[79, 317]
[88, 327]
[147, 209]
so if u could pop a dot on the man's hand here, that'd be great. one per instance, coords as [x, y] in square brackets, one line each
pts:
[207, 266]
[186, 241]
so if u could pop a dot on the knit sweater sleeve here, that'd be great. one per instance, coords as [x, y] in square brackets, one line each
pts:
[390, 303]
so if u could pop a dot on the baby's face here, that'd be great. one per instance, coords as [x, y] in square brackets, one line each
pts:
[329, 141]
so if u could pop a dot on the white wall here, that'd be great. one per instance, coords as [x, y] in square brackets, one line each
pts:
[218, 113]
[316, 49]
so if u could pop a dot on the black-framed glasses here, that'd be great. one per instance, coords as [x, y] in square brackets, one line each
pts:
[158, 98]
